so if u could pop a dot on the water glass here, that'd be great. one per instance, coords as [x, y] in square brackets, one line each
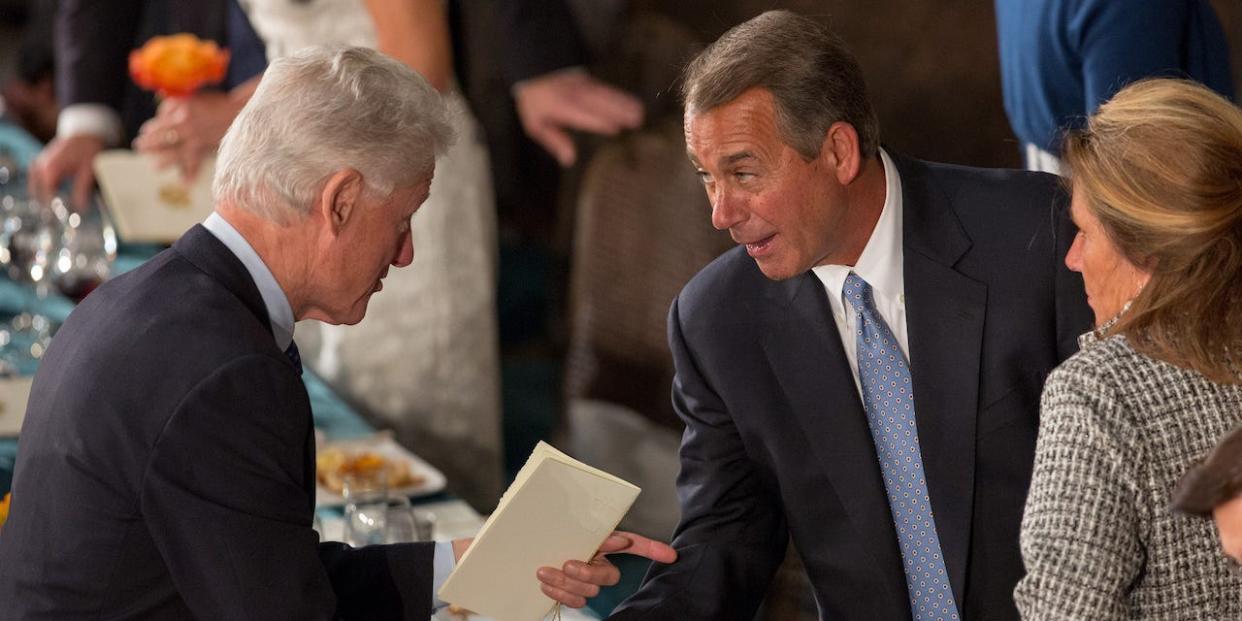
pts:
[400, 525]
[366, 508]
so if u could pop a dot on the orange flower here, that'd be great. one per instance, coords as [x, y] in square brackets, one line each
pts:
[4, 508]
[177, 65]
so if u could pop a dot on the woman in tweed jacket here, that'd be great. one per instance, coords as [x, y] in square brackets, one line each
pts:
[1157, 197]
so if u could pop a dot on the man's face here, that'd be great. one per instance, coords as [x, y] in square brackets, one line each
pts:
[790, 213]
[376, 237]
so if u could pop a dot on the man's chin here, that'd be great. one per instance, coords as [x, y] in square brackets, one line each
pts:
[776, 271]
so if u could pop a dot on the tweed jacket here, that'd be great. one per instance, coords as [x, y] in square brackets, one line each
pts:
[1118, 429]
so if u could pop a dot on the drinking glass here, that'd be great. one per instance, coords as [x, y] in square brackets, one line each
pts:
[366, 508]
[84, 254]
[400, 525]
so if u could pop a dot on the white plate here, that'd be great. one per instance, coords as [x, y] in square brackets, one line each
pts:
[382, 444]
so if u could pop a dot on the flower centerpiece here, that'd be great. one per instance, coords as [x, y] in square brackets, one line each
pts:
[178, 65]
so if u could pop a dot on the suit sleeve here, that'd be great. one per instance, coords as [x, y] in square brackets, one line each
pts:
[541, 36]
[92, 40]
[732, 535]
[226, 501]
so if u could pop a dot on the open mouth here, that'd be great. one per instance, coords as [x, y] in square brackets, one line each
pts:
[761, 247]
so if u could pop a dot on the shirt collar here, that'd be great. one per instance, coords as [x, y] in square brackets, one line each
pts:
[279, 313]
[881, 261]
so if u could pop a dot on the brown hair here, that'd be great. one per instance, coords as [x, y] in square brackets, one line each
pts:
[813, 78]
[1160, 165]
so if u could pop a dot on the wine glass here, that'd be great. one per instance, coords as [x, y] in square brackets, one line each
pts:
[84, 254]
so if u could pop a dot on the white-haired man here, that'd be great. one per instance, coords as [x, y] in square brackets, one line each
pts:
[166, 468]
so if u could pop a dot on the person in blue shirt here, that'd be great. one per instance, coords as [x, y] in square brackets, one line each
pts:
[1060, 59]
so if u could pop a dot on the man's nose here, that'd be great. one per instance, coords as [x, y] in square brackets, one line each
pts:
[727, 210]
[405, 253]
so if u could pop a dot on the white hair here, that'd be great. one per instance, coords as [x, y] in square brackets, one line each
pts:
[322, 110]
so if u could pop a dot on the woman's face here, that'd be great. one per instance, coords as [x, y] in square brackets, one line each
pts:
[1110, 279]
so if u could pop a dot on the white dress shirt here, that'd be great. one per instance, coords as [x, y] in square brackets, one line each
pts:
[880, 264]
[281, 316]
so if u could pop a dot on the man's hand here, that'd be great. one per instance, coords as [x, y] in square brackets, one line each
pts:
[63, 158]
[550, 104]
[186, 130]
[576, 581]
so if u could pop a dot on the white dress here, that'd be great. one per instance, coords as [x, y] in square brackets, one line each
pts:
[424, 361]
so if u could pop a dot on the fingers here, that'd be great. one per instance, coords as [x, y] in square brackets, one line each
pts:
[550, 105]
[190, 161]
[621, 109]
[62, 158]
[555, 141]
[621, 542]
[577, 581]
[83, 183]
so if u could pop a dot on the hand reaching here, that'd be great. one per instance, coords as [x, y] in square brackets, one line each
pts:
[552, 103]
[576, 581]
[63, 158]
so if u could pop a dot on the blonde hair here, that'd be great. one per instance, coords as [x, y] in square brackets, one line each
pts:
[1160, 165]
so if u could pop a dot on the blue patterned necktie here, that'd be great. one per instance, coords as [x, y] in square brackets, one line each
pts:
[294, 356]
[888, 397]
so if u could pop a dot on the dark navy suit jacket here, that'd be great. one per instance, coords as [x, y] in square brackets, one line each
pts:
[777, 444]
[166, 466]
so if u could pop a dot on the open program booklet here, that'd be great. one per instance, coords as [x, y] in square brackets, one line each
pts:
[557, 509]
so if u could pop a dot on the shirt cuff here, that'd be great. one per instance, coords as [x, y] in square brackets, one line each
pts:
[443, 564]
[93, 119]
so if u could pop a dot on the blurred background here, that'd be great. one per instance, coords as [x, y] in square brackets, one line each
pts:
[591, 255]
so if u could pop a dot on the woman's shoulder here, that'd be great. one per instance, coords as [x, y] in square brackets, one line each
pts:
[1101, 361]
[1095, 386]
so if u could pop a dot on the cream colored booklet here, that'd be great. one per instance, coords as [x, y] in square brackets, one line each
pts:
[557, 509]
[13, 394]
[149, 205]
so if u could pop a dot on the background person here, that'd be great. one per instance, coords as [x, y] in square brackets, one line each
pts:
[1061, 59]
[1159, 209]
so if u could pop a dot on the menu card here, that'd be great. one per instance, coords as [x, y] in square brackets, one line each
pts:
[149, 205]
[557, 509]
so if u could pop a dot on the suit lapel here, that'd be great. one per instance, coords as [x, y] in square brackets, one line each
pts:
[804, 350]
[211, 256]
[944, 318]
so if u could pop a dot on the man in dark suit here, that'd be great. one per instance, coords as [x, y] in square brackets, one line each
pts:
[166, 467]
[866, 382]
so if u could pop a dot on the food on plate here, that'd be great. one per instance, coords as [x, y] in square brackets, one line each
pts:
[333, 464]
